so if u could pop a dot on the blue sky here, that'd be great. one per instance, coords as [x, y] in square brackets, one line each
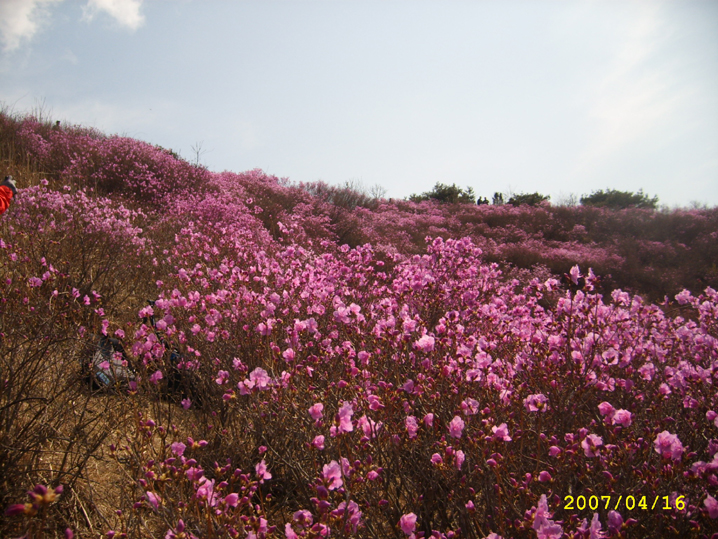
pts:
[556, 96]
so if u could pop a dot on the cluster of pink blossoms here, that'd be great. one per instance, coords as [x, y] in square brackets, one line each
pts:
[379, 368]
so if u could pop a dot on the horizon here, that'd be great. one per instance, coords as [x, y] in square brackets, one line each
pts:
[518, 97]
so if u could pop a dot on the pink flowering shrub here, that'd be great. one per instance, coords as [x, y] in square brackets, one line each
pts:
[108, 164]
[656, 253]
[319, 367]
[374, 362]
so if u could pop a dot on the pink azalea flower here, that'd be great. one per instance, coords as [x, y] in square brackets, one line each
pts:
[575, 273]
[353, 513]
[342, 314]
[668, 445]
[262, 471]
[260, 377]
[606, 409]
[647, 371]
[544, 476]
[615, 521]
[544, 526]
[712, 506]
[501, 433]
[289, 531]
[222, 377]
[205, 491]
[622, 417]
[470, 406]
[346, 467]
[536, 403]
[683, 297]
[374, 403]
[407, 523]
[412, 426]
[596, 528]
[316, 411]
[456, 427]
[345, 418]
[333, 474]
[156, 377]
[590, 445]
[303, 517]
[425, 343]
[368, 426]
[318, 442]
[153, 499]
[459, 459]
[264, 329]
[178, 448]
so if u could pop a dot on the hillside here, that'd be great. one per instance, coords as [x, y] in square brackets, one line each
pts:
[318, 360]
[652, 253]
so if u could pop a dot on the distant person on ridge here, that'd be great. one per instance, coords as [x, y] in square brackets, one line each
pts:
[7, 191]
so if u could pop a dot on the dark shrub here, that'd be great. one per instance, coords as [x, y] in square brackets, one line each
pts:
[612, 198]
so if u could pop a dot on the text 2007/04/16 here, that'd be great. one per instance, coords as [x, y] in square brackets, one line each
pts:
[628, 502]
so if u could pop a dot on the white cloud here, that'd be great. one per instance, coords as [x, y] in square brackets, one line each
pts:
[637, 96]
[20, 20]
[125, 12]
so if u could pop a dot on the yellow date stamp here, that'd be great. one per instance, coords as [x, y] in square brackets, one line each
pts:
[630, 503]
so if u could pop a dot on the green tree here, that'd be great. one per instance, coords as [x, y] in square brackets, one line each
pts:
[532, 199]
[612, 198]
[447, 193]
